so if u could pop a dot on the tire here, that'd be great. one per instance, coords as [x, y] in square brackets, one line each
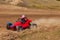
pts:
[7, 27]
[19, 28]
[33, 25]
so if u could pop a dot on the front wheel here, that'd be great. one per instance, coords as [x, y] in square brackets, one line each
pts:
[33, 25]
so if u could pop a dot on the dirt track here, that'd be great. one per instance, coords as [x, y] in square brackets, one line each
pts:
[12, 18]
[11, 13]
[47, 23]
[9, 9]
[47, 19]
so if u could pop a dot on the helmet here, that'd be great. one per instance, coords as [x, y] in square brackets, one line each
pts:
[23, 16]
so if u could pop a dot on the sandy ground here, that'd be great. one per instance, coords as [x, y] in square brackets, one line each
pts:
[48, 28]
[38, 19]
[9, 9]
[40, 16]
[46, 19]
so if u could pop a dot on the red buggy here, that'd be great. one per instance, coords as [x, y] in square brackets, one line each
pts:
[20, 26]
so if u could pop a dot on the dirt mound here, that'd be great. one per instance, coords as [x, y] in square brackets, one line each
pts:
[9, 35]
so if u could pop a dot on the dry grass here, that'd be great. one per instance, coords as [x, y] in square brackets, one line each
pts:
[48, 21]
[48, 29]
[33, 34]
[42, 4]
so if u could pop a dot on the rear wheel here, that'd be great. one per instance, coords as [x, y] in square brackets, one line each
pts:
[7, 27]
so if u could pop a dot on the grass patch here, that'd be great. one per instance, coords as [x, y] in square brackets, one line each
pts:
[41, 35]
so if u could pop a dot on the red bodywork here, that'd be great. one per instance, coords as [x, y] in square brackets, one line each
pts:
[23, 25]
